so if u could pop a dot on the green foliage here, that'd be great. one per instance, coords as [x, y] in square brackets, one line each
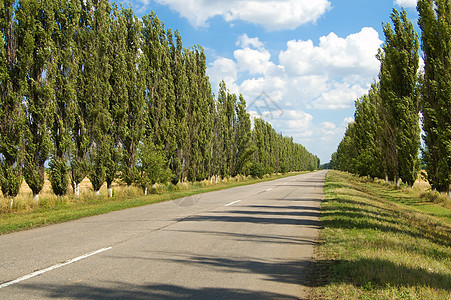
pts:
[11, 110]
[10, 180]
[152, 164]
[399, 109]
[58, 176]
[257, 170]
[436, 91]
[97, 169]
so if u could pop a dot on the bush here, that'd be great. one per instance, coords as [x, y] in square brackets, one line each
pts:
[257, 170]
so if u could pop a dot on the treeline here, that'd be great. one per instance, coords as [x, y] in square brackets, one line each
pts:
[91, 90]
[384, 140]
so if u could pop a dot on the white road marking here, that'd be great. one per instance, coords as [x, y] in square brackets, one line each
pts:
[269, 189]
[232, 203]
[37, 273]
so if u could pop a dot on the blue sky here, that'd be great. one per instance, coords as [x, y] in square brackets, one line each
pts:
[311, 59]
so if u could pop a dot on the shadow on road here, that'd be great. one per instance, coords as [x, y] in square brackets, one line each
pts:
[254, 238]
[120, 290]
[255, 220]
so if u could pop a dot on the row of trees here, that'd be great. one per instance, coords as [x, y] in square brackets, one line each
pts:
[384, 140]
[91, 90]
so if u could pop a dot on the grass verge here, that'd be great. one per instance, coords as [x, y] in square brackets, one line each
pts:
[380, 242]
[56, 210]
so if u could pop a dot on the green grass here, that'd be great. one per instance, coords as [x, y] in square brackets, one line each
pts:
[51, 210]
[380, 242]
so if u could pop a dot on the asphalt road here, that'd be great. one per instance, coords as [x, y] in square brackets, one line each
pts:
[250, 242]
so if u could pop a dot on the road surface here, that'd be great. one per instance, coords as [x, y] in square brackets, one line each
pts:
[250, 242]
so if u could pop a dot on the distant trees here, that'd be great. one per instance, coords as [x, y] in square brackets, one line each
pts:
[90, 90]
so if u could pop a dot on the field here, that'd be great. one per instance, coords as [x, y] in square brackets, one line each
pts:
[380, 241]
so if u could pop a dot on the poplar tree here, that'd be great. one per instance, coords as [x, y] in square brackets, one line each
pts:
[368, 137]
[98, 71]
[135, 117]
[199, 111]
[81, 138]
[435, 23]
[398, 77]
[222, 130]
[244, 149]
[204, 116]
[67, 16]
[35, 25]
[11, 113]
[178, 160]
[118, 96]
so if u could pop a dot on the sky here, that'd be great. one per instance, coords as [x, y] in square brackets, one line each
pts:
[300, 64]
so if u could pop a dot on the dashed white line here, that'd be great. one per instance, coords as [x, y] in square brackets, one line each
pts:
[232, 203]
[37, 273]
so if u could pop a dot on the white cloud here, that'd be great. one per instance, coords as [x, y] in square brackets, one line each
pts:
[244, 41]
[406, 3]
[253, 61]
[224, 69]
[328, 131]
[271, 14]
[340, 96]
[354, 54]
[331, 75]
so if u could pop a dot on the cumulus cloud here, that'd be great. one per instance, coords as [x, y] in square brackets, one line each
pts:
[224, 69]
[406, 3]
[271, 14]
[339, 96]
[354, 54]
[330, 75]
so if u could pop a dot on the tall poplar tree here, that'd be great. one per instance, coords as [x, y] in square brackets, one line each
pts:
[398, 76]
[35, 25]
[178, 160]
[244, 149]
[11, 113]
[118, 96]
[67, 16]
[98, 75]
[137, 93]
[435, 23]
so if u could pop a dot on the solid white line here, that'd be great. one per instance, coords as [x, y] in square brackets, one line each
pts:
[232, 203]
[34, 274]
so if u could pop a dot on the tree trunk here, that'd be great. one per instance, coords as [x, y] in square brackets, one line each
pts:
[145, 191]
[36, 198]
[77, 190]
[11, 204]
[110, 192]
[98, 193]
